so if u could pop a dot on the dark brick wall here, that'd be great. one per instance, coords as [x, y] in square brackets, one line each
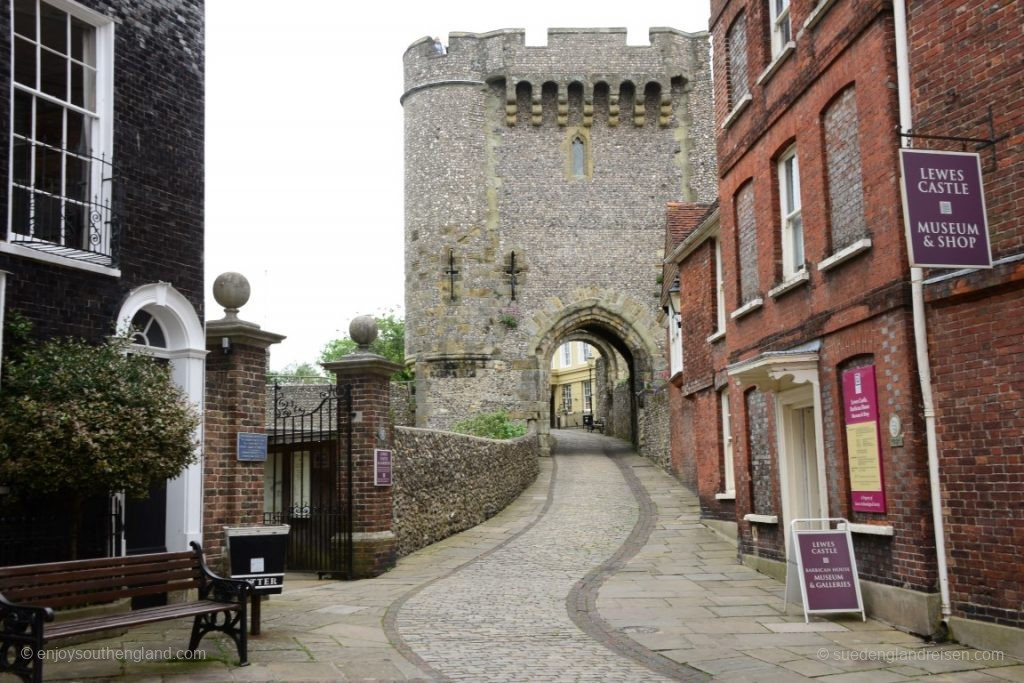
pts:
[974, 321]
[842, 166]
[158, 155]
[739, 79]
[747, 248]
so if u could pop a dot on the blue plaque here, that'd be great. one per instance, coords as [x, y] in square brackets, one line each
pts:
[252, 447]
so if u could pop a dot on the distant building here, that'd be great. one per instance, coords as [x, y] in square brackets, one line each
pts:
[103, 200]
[573, 384]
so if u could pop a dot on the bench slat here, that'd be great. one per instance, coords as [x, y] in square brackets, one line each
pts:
[135, 618]
[74, 565]
[15, 585]
[106, 596]
[85, 590]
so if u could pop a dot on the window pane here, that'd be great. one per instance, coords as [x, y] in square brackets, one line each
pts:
[578, 168]
[797, 228]
[53, 27]
[47, 219]
[77, 139]
[155, 335]
[25, 62]
[22, 113]
[48, 169]
[76, 233]
[83, 47]
[49, 123]
[53, 75]
[25, 18]
[20, 205]
[77, 178]
[22, 155]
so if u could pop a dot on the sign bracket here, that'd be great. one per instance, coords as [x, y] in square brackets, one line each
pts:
[979, 143]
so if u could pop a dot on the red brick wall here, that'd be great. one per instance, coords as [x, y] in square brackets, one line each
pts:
[965, 58]
[236, 399]
[835, 98]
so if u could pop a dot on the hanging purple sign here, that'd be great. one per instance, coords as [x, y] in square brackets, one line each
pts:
[828, 571]
[944, 209]
[863, 454]
[382, 467]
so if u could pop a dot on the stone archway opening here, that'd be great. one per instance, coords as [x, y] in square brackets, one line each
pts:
[619, 376]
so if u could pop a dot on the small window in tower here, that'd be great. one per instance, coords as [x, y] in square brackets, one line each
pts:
[579, 158]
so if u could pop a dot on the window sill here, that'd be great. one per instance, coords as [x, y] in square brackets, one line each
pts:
[800, 278]
[870, 529]
[35, 254]
[761, 519]
[747, 308]
[737, 110]
[766, 75]
[720, 334]
[728, 495]
[815, 16]
[845, 254]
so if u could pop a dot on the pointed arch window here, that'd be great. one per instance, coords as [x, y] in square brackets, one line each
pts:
[579, 157]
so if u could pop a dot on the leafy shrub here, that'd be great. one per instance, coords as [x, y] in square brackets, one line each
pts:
[491, 426]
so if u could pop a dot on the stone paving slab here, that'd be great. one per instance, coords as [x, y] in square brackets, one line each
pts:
[619, 581]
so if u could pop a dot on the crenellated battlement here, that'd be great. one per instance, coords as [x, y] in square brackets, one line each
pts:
[584, 70]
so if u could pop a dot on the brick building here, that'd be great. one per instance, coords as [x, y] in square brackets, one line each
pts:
[975, 326]
[816, 304]
[103, 198]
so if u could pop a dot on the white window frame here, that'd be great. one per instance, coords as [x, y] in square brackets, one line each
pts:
[781, 27]
[101, 137]
[585, 351]
[588, 396]
[719, 290]
[566, 398]
[566, 355]
[675, 340]
[793, 255]
[728, 470]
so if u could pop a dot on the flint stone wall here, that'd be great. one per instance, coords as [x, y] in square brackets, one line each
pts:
[446, 483]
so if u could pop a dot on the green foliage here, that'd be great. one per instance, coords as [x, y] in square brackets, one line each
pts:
[299, 373]
[78, 420]
[390, 343]
[491, 426]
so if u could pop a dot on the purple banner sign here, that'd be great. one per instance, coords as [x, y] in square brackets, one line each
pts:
[863, 454]
[382, 468]
[944, 209]
[828, 574]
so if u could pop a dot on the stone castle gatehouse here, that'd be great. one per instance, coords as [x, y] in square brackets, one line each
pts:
[536, 180]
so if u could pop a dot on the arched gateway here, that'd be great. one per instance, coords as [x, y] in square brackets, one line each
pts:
[535, 194]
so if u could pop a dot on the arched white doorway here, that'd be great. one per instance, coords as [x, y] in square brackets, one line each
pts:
[172, 330]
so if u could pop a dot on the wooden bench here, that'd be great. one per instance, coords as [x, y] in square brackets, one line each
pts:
[29, 593]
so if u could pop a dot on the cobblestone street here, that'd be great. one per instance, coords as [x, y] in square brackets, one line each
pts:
[600, 571]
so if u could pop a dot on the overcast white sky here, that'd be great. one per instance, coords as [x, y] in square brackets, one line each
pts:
[304, 144]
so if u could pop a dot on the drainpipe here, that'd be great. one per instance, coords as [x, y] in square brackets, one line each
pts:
[924, 369]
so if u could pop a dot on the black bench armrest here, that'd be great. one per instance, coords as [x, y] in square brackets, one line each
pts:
[213, 587]
[16, 617]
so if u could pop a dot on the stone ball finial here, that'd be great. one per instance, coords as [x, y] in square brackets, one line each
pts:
[231, 290]
[363, 330]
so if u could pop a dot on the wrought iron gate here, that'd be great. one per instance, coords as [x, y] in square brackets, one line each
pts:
[307, 478]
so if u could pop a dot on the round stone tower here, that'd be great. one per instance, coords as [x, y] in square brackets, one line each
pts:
[536, 180]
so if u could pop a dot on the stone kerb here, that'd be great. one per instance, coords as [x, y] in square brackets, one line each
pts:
[447, 482]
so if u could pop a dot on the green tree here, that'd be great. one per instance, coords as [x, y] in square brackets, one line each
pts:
[390, 343]
[78, 420]
[299, 373]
